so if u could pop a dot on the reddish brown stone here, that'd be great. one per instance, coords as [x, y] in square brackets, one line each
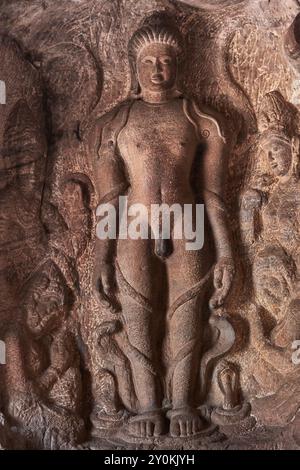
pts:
[137, 343]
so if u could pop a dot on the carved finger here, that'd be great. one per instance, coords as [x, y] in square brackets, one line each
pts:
[174, 428]
[215, 301]
[189, 428]
[222, 297]
[103, 300]
[149, 429]
[158, 428]
[106, 284]
[227, 282]
[194, 426]
[132, 429]
[182, 427]
[143, 429]
[218, 276]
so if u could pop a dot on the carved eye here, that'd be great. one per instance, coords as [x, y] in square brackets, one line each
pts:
[166, 60]
[148, 60]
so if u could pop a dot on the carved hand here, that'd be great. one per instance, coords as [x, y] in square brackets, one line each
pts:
[48, 379]
[106, 286]
[60, 355]
[223, 276]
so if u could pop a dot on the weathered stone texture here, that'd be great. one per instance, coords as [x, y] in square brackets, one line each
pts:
[141, 343]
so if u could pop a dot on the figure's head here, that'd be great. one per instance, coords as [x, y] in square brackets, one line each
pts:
[157, 67]
[45, 301]
[30, 177]
[154, 52]
[26, 177]
[273, 279]
[76, 191]
[277, 125]
[279, 154]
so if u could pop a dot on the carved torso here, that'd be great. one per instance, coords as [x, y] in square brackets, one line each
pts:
[158, 145]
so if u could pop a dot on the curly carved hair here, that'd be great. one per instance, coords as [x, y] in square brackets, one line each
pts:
[156, 29]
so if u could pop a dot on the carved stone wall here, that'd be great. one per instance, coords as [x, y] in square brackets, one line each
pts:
[150, 346]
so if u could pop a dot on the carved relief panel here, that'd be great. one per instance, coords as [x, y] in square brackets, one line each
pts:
[118, 332]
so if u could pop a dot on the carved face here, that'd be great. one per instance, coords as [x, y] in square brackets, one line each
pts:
[26, 178]
[279, 156]
[157, 67]
[44, 310]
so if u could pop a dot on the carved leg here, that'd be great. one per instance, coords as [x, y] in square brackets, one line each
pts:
[136, 288]
[138, 327]
[185, 326]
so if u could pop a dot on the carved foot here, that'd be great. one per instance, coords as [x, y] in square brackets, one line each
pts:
[148, 424]
[185, 422]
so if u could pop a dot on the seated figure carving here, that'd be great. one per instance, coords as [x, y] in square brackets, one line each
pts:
[270, 207]
[44, 392]
[270, 233]
[275, 326]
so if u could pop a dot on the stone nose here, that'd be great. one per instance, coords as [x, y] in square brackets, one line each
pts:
[157, 66]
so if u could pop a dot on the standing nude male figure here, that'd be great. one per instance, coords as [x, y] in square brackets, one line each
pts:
[146, 149]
